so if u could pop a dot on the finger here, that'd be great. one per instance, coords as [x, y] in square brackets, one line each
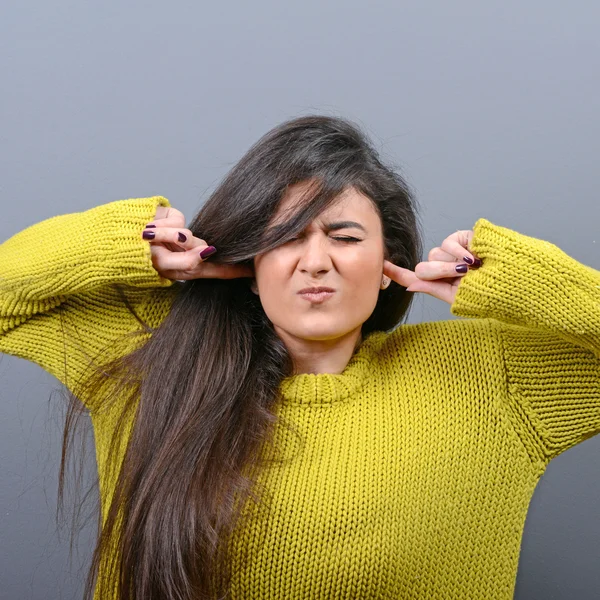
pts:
[188, 265]
[215, 272]
[173, 235]
[460, 255]
[438, 254]
[168, 257]
[168, 213]
[402, 276]
[209, 270]
[458, 244]
[442, 289]
[436, 269]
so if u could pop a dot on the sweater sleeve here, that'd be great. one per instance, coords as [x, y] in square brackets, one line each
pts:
[58, 303]
[544, 308]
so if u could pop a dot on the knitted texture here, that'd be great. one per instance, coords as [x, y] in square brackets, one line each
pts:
[417, 463]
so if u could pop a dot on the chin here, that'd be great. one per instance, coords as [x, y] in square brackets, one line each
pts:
[318, 333]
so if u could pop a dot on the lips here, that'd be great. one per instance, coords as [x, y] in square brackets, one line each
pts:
[317, 295]
[316, 290]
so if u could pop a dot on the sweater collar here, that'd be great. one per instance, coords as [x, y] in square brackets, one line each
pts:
[325, 388]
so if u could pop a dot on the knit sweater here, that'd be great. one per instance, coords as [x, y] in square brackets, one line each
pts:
[419, 460]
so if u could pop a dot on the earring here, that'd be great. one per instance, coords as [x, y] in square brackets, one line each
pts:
[254, 287]
[385, 282]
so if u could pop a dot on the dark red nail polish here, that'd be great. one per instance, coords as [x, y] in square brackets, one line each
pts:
[148, 235]
[209, 251]
[182, 237]
[468, 259]
[462, 268]
[147, 226]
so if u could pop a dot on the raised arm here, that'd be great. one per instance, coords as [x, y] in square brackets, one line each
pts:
[59, 306]
[545, 309]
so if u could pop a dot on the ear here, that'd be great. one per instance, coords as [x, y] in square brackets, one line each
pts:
[385, 281]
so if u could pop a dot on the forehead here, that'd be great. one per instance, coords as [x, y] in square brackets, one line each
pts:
[350, 202]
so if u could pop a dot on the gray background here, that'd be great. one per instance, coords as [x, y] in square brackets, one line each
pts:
[490, 108]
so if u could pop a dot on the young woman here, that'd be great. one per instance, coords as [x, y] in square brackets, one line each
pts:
[265, 425]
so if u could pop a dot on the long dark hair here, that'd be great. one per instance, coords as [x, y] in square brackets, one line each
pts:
[198, 394]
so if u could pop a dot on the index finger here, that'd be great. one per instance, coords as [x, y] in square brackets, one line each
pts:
[402, 276]
[185, 265]
[217, 271]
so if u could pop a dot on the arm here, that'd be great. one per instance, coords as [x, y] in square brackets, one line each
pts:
[545, 310]
[58, 302]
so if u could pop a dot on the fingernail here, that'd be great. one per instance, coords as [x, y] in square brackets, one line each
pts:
[462, 268]
[207, 252]
[468, 259]
[478, 262]
[150, 226]
[148, 235]
[182, 237]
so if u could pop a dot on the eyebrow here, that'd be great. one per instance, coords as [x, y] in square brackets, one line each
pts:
[344, 225]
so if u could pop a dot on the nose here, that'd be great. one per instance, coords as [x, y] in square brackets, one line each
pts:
[314, 255]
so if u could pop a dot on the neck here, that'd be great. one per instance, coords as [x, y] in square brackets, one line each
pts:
[321, 356]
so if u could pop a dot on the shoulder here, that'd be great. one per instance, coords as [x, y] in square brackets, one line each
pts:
[432, 340]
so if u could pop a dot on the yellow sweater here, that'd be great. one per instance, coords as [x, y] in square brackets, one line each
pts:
[421, 457]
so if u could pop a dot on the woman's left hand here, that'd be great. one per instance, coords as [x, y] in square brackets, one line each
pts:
[438, 276]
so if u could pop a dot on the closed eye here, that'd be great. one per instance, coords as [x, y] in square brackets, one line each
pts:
[347, 239]
[338, 238]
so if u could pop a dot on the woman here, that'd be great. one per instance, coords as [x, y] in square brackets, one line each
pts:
[265, 427]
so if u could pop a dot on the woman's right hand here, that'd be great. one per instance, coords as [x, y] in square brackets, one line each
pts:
[178, 260]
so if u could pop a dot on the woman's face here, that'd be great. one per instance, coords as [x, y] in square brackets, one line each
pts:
[325, 254]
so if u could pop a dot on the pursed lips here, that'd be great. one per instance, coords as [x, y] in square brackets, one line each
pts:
[316, 290]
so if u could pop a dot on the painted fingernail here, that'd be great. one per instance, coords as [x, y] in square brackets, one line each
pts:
[478, 262]
[148, 235]
[462, 268]
[468, 259]
[209, 251]
[147, 226]
[182, 237]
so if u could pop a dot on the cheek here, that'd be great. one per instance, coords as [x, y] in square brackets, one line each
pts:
[364, 268]
[362, 280]
[270, 271]
[274, 284]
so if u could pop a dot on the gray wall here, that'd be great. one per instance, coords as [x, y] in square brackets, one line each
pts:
[490, 108]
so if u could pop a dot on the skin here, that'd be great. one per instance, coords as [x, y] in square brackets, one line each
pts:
[321, 338]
